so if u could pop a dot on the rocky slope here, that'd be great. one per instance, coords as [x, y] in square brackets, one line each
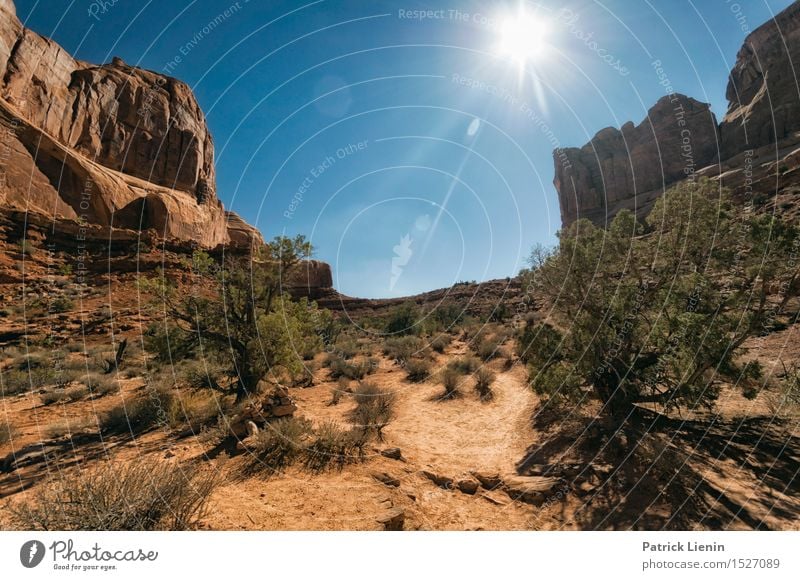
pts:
[753, 150]
[113, 147]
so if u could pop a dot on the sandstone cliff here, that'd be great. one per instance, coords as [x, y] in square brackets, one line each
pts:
[629, 167]
[754, 150]
[763, 92]
[111, 146]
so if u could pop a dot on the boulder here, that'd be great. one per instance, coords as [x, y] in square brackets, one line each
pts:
[393, 520]
[468, 486]
[386, 478]
[441, 480]
[530, 489]
[392, 453]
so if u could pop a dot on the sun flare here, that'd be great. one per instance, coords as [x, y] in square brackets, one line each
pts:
[522, 37]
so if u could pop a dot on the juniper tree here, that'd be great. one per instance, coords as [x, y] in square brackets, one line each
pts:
[658, 312]
[241, 310]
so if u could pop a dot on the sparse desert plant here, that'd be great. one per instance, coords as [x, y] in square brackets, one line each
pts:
[465, 365]
[281, 442]
[483, 384]
[784, 398]
[26, 248]
[342, 388]
[334, 446]
[374, 408]
[133, 495]
[418, 370]
[57, 395]
[349, 369]
[70, 427]
[101, 385]
[140, 415]
[346, 348]
[77, 393]
[196, 410]
[402, 348]
[440, 343]
[487, 349]
[451, 381]
[7, 432]
[61, 304]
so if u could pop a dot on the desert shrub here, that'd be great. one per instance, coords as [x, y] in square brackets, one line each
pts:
[169, 343]
[403, 319]
[451, 381]
[418, 370]
[483, 384]
[402, 348]
[196, 410]
[17, 381]
[340, 390]
[281, 442]
[77, 393]
[135, 495]
[57, 395]
[440, 343]
[70, 427]
[784, 399]
[346, 348]
[351, 370]
[487, 349]
[465, 365]
[101, 385]
[140, 415]
[7, 432]
[61, 304]
[63, 377]
[26, 248]
[660, 317]
[374, 408]
[333, 446]
[202, 374]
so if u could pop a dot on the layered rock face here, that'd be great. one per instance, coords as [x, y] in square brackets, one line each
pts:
[763, 94]
[754, 151]
[627, 167]
[108, 145]
[310, 278]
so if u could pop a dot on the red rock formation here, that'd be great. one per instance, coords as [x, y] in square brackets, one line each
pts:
[629, 167]
[111, 145]
[763, 92]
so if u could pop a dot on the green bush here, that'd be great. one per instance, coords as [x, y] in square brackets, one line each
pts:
[281, 442]
[61, 304]
[418, 370]
[451, 381]
[465, 365]
[483, 384]
[140, 415]
[132, 495]
[487, 349]
[334, 446]
[440, 343]
[374, 408]
[403, 348]
[403, 319]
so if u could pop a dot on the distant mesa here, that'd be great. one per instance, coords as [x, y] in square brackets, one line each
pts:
[631, 167]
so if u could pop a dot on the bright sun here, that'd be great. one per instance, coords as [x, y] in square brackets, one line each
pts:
[522, 37]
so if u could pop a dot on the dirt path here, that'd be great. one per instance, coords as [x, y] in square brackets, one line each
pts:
[464, 434]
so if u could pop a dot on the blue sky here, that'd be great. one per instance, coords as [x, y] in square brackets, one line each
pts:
[354, 122]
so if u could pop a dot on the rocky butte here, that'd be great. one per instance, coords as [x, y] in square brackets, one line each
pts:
[754, 150]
